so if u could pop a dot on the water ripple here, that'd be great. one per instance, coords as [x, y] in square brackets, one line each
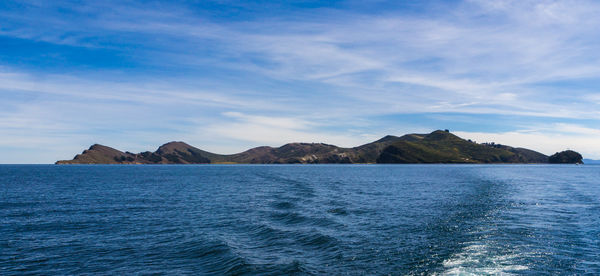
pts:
[300, 220]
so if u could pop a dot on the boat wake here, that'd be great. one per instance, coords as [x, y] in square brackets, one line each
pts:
[479, 259]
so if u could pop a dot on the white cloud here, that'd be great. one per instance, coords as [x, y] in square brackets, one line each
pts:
[274, 131]
[277, 122]
[141, 91]
[300, 76]
[260, 134]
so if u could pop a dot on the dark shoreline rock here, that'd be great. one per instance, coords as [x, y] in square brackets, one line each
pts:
[566, 157]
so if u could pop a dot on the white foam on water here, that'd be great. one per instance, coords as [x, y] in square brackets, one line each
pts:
[477, 259]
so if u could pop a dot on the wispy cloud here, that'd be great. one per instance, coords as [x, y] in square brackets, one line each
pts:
[262, 130]
[290, 74]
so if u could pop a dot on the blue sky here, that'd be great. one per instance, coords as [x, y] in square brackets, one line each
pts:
[226, 75]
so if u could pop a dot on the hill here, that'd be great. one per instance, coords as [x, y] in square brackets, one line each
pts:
[566, 157]
[444, 147]
[436, 147]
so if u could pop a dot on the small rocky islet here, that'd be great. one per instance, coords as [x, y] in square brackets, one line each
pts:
[566, 157]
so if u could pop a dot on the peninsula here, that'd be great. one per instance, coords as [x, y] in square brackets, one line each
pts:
[436, 147]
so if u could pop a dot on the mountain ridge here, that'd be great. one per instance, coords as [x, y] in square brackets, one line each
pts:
[435, 147]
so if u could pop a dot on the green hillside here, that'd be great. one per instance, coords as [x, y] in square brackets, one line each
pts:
[436, 147]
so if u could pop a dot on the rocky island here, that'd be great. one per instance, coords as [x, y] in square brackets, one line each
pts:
[436, 147]
[566, 157]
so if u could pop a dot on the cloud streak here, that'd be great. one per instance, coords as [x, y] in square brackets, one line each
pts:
[331, 74]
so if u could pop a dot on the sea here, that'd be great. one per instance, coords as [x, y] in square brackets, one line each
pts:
[299, 219]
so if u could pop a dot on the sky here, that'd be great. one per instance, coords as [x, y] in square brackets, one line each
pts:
[226, 76]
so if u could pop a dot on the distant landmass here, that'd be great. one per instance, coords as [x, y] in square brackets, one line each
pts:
[591, 161]
[436, 147]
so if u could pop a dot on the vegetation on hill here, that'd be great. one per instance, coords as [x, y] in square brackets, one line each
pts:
[566, 157]
[444, 147]
[436, 147]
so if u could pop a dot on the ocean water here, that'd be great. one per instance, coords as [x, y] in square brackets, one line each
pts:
[300, 219]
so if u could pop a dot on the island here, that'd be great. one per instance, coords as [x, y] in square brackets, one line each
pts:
[440, 146]
[566, 157]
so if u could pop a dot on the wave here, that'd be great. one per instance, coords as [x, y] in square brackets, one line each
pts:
[283, 205]
[479, 259]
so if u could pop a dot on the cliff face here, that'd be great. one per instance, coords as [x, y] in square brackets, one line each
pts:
[436, 147]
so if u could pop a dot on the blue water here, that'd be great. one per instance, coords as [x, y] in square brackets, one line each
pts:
[303, 219]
